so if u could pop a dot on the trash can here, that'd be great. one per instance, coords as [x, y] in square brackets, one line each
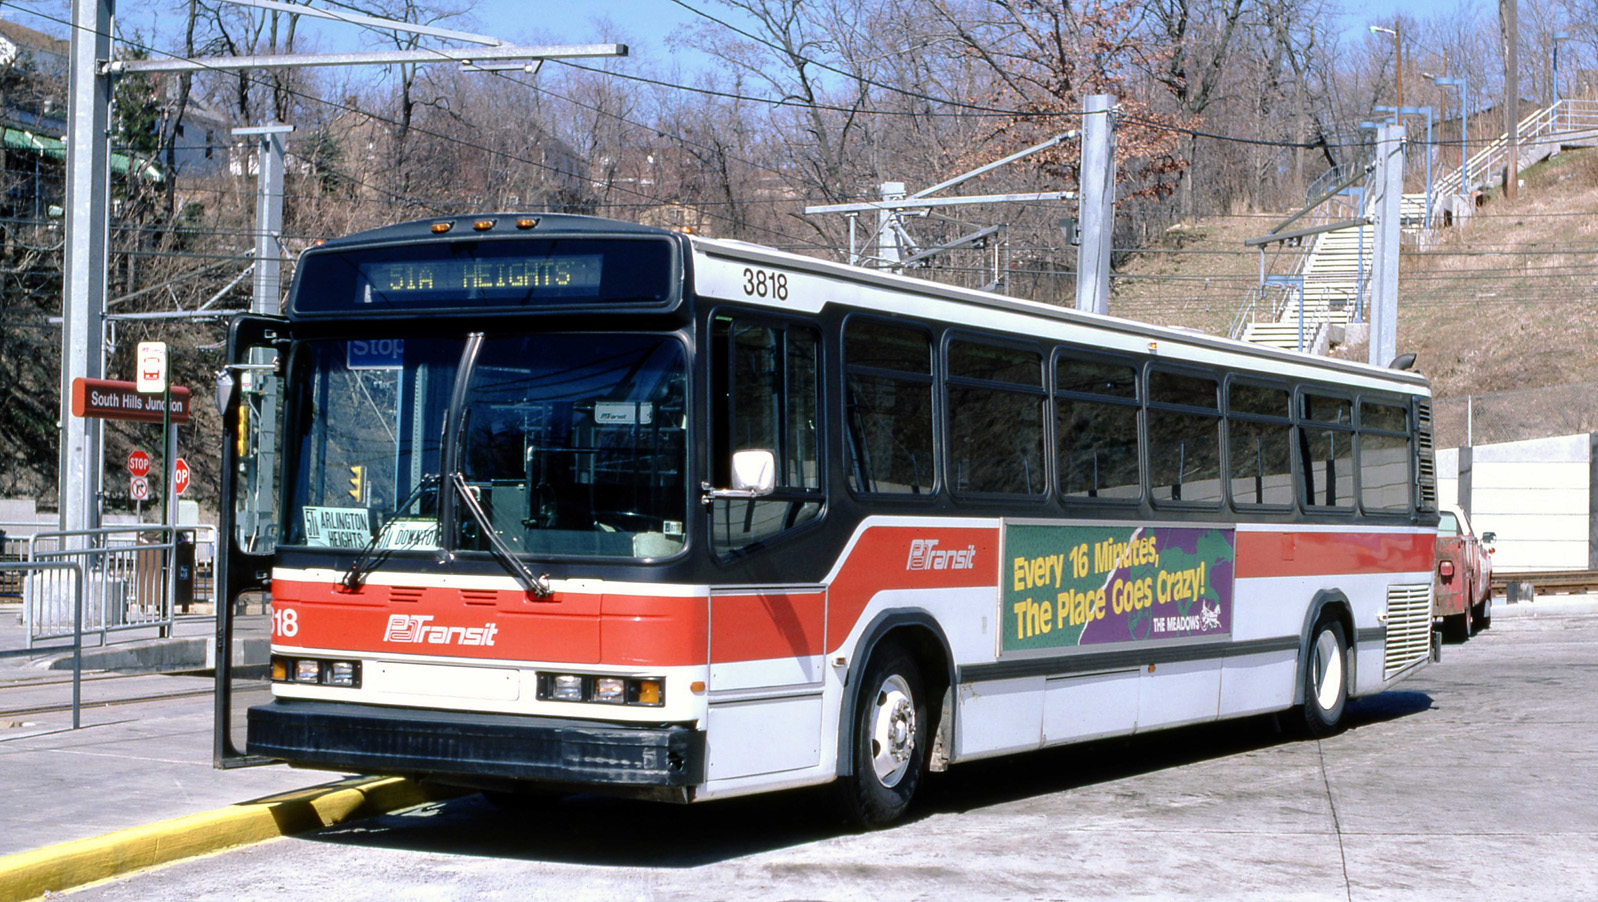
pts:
[183, 582]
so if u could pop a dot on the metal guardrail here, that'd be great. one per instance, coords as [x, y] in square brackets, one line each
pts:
[128, 582]
[73, 573]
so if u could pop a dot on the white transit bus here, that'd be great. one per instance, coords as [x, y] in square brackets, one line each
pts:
[555, 502]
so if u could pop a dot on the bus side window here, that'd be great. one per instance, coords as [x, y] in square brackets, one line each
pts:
[1095, 429]
[1259, 445]
[765, 389]
[888, 408]
[1384, 457]
[995, 425]
[1184, 439]
[1326, 451]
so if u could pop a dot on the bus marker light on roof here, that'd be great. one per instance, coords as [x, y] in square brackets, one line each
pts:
[526, 222]
[440, 228]
[483, 225]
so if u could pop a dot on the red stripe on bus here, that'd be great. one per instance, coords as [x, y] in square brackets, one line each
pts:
[1268, 554]
[909, 557]
[760, 626]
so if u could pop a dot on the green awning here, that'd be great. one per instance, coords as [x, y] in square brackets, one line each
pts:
[55, 148]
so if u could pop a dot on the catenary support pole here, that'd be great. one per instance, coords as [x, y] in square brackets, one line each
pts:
[268, 215]
[1384, 264]
[83, 301]
[1097, 204]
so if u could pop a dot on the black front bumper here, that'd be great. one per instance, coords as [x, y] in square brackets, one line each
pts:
[373, 740]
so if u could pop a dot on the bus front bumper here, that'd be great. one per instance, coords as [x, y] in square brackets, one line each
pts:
[463, 744]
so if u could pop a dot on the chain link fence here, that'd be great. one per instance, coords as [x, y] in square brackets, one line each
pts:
[1513, 416]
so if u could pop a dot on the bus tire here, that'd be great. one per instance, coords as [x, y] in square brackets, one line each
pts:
[1325, 678]
[889, 741]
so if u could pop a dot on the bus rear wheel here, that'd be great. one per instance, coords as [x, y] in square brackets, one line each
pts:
[888, 741]
[1325, 679]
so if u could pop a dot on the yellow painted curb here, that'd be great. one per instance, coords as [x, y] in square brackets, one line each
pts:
[26, 875]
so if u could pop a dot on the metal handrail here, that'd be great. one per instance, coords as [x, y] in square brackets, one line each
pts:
[77, 621]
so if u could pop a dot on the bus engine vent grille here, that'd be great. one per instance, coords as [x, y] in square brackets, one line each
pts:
[1409, 627]
[1425, 458]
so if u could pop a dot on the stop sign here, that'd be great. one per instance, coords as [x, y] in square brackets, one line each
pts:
[138, 463]
[180, 476]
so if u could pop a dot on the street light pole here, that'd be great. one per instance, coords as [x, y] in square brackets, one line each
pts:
[1562, 36]
[1398, 43]
[1463, 85]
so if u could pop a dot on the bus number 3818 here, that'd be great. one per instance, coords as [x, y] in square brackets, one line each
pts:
[761, 284]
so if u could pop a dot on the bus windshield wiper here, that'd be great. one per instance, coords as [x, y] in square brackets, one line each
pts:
[366, 561]
[537, 586]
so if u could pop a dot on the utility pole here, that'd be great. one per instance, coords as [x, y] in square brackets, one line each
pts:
[1509, 19]
[1097, 204]
[1389, 181]
[92, 71]
[268, 214]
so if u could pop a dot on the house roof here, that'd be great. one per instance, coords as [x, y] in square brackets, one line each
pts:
[55, 148]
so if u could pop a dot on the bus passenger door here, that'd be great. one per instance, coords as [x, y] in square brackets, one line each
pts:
[250, 399]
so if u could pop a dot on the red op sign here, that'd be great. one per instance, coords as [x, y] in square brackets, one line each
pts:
[180, 476]
[138, 463]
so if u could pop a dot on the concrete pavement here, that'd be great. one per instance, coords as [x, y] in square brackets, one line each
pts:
[135, 786]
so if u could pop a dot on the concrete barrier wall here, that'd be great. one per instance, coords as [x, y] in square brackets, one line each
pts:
[1537, 495]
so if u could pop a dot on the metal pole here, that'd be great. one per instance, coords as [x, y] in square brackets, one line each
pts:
[888, 250]
[1384, 274]
[268, 215]
[1097, 204]
[1428, 167]
[83, 306]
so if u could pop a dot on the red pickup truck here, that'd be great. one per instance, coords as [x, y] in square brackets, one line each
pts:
[1463, 585]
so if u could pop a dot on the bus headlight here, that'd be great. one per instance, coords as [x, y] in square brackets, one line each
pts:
[609, 690]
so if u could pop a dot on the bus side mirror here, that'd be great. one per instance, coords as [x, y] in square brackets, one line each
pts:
[1489, 537]
[754, 475]
[754, 471]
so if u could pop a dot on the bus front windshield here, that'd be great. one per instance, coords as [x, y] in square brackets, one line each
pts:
[570, 444]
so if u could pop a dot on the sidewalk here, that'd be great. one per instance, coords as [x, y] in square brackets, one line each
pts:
[134, 786]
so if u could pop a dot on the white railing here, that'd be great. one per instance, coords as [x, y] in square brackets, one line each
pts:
[1562, 117]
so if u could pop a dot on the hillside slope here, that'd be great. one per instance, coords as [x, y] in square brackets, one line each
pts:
[1506, 301]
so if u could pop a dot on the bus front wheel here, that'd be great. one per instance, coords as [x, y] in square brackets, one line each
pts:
[889, 741]
[1325, 678]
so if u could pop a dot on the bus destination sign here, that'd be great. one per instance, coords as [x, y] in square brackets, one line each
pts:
[1074, 586]
[501, 278]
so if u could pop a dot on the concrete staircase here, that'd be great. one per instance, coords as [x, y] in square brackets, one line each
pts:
[1331, 274]
[1331, 269]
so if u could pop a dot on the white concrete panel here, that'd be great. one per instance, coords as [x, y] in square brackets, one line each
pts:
[1573, 448]
[1546, 474]
[1253, 684]
[1544, 555]
[1487, 502]
[999, 716]
[763, 737]
[1088, 707]
[1188, 692]
[1533, 527]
